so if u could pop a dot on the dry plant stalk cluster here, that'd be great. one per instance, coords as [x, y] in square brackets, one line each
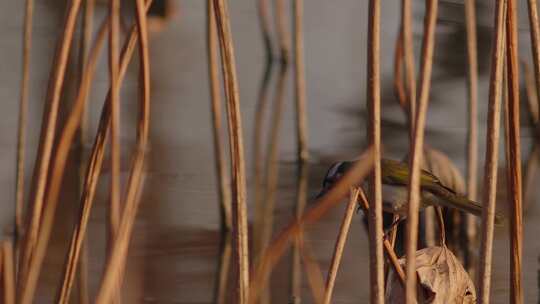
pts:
[22, 260]
[33, 233]
[406, 93]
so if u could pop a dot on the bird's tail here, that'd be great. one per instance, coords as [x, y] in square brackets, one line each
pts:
[450, 199]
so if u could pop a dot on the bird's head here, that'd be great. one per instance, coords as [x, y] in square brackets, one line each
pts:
[334, 174]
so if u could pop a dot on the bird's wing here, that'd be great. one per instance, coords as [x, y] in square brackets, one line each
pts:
[398, 173]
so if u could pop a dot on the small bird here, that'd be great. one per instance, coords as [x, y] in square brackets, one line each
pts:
[395, 179]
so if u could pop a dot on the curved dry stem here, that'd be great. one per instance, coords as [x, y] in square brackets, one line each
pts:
[63, 148]
[116, 263]
[472, 86]
[264, 23]
[472, 135]
[84, 48]
[313, 273]
[532, 7]
[79, 233]
[388, 246]
[48, 130]
[399, 86]
[114, 30]
[374, 135]
[301, 201]
[87, 28]
[258, 156]
[23, 113]
[8, 272]
[513, 157]
[277, 248]
[529, 176]
[490, 168]
[300, 83]
[224, 264]
[408, 50]
[340, 245]
[428, 45]
[258, 162]
[272, 163]
[219, 153]
[237, 151]
[532, 96]
[29, 282]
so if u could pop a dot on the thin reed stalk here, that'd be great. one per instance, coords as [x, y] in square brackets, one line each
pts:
[114, 32]
[272, 159]
[472, 135]
[399, 86]
[283, 35]
[313, 273]
[23, 113]
[116, 263]
[220, 162]
[264, 23]
[440, 222]
[400, 90]
[531, 167]
[375, 221]
[219, 153]
[513, 157]
[279, 245]
[530, 175]
[340, 245]
[300, 83]
[408, 51]
[29, 283]
[394, 261]
[237, 152]
[272, 164]
[429, 227]
[93, 172]
[48, 130]
[223, 270]
[87, 28]
[78, 236]
[8, 272]
[417, 148]
[258, 155]
[301, 202]
[532, 97]
[114, 270]
[534, 29]
[302, 142]
[388, 247]
[490, 168]
[84, 48]
[393, 232]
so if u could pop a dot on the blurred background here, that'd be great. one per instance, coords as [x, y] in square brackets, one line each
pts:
[174, 253]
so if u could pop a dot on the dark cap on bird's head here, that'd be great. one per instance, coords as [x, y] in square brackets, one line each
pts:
[334, 174]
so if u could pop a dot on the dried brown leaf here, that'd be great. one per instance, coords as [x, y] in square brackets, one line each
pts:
[442, 279]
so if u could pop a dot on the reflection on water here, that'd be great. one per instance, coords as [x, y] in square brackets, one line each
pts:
[175, 250]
